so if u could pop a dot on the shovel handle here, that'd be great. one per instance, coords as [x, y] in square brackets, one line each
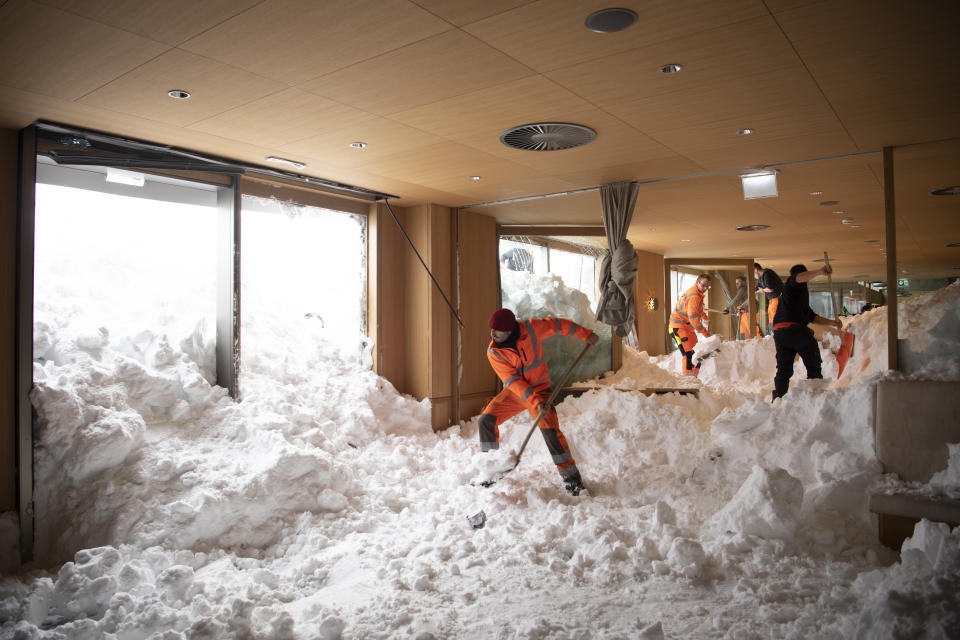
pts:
[833, 296]
[553, 396]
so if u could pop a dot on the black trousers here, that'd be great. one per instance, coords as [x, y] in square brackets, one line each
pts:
[791, 341]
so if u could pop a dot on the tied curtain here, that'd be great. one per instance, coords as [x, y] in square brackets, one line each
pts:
[619, 267]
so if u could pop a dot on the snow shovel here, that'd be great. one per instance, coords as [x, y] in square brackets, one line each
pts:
[846, 339]
[553, 396]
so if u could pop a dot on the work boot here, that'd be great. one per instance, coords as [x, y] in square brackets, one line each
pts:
[573, 484]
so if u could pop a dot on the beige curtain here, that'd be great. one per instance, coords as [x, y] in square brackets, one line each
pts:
[619, 267]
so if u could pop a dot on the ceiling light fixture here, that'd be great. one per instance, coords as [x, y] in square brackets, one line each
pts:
[744, 132]
[684, 240]
[753, 227]
[178, 94]
[829, 203]
[840, 211]
[946, 191]
[474, 177]
[358, 145]
[610, 20]
[122, 176]
[847, 221]
[671, 68]
[952, 244]
[816, 193]
[762, 184]
[293, 163]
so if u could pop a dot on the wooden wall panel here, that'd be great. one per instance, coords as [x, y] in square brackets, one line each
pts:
[8, 256]
[651, 330]
[416, 309]
[386, 293]
[478, 298]
[442, 323]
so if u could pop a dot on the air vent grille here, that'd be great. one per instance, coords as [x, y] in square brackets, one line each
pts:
[547, 136]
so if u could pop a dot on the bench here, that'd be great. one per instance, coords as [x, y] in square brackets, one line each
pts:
[914, 422]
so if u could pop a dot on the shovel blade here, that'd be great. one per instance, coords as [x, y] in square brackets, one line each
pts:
[844, 353]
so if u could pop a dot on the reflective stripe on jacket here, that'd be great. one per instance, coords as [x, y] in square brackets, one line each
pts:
[689, 311]
[523, 369]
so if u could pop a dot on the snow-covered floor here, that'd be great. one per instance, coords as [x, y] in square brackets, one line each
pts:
[323, 505]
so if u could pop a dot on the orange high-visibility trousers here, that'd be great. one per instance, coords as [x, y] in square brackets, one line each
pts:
[686, 339]
[507, 404]
[742, 333]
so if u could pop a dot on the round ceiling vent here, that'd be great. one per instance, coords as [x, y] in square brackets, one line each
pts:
[547, 136]
[753, 227]
[611, 20]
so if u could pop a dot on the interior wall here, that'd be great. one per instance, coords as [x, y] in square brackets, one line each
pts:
[386, 294]
[649, 282]
[429, 322]
[8, 255]
[478, 296]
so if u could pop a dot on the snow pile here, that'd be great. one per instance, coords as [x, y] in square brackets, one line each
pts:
[324, 506]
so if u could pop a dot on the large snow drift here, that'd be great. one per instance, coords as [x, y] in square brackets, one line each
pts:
[323, 505]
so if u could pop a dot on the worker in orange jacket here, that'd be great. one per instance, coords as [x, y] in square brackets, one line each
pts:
[516, 355]
[687, 320]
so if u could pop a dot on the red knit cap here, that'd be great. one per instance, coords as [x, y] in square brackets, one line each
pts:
[503, 320]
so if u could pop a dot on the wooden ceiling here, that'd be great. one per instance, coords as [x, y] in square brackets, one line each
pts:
[429, 86]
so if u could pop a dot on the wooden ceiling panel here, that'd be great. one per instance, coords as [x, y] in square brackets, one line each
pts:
[294, 41]
[778, 105]
[384, 139]
[461, 12]
[551, 34]
[79, 55]
[713, 57]
[214, 88]
[446, 65]
[450, 167]
[281, 118]
[478, 119]
[882, 64]
[170, 21]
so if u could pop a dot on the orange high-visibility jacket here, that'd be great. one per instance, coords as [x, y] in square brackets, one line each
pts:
[523, 369]
[689, 311]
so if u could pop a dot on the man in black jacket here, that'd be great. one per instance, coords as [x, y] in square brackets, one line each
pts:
[791, 335]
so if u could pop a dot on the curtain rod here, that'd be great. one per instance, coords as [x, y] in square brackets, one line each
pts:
[670, 179]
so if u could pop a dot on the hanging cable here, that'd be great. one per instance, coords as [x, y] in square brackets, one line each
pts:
[410, 242]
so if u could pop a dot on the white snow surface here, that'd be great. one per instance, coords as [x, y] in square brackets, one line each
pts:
[322, 505]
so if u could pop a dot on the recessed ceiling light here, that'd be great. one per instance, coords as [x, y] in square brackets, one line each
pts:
[753, 227]
[292, 163]
[840, 211]
[946, 191]
[816, 193]
[610, 20]
[847, 221]
[474, 177]
[684, 240]
[744, 132]
[829, 203]
[952, 244]
[358, 145]
[855, 226]
[178, 94]
[671, 68]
